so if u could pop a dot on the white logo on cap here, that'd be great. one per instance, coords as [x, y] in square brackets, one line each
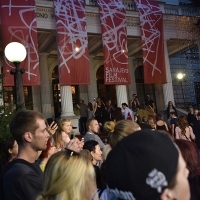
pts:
[156, 179]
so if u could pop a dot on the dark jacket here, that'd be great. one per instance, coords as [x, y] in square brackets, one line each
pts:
[168, 112]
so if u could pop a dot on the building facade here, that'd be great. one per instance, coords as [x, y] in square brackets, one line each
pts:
[54, 100]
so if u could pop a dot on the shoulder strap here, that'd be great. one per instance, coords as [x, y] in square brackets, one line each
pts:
[186, 137]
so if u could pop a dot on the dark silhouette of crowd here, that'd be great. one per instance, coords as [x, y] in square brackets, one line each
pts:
[144, 156]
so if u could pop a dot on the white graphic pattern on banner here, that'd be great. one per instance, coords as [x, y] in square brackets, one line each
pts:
[72, 29]
[154, 35]
[114, 39]
[110, 37]
[16, 32]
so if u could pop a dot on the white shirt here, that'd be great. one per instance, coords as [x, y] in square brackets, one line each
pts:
[126, 111]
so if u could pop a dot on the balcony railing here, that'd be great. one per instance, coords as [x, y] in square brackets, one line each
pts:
[184, 10]
[129, 5]
[167, 9]
[180, 10]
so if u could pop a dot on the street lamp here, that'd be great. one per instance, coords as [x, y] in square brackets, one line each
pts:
[180, 77]
[15, 52]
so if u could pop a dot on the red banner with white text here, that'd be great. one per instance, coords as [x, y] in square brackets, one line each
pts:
[151, 24]
[18, 24]
[72, 42]
[114, 36]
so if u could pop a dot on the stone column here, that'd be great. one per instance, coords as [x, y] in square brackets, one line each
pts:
[45, 86]
[121, 94]
[67, 110]
[1, 86]
[132, 87]
[66, 101]
[167, 88]
[92, 88]
[36, 95]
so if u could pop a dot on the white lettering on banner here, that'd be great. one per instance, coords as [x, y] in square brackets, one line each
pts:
[112, 74]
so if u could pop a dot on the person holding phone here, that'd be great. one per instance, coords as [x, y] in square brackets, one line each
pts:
[134, 102]
[51, 126]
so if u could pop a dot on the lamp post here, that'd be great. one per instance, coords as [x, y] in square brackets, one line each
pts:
[15, 52]
[180, 77]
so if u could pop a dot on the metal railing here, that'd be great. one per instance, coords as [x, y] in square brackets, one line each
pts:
[167, 9]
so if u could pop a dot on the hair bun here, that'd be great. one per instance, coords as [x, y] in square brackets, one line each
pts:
[109, 126]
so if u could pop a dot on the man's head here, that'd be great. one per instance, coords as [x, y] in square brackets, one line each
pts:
[134, 96]
[198, 115]
[29, 126]
[92, 125]
[191, 109]
[124, 105]
[145, 119]
[148, 165]
[196, 111]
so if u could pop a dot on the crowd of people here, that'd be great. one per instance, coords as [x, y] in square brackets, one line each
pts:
[145, 157]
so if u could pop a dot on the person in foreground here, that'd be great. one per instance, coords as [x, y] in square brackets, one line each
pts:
[191, 156]
[69, 175]
[146, 165]
[22, 178]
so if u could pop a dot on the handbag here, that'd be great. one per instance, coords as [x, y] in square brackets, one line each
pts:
[129, 117]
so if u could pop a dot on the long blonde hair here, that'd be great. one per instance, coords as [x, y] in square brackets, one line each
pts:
[120, 130]
[58, 136]
[151, 123]
[69, 176]
[61, 123]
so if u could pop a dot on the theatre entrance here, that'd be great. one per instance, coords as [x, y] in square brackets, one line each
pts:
[105, 91]
[57, 95]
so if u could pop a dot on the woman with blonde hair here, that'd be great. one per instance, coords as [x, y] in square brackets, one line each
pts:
[63, 133]
[183, 130]
[116, 132]
[151, 123]
[69, 175]
[120, 130]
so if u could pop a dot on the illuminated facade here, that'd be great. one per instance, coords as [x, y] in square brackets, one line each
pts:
[54, 100]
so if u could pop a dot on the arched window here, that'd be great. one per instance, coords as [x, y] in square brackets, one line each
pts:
[105, 91]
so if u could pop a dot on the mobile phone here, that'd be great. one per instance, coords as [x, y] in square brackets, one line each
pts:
[49, 121]
[72, 136]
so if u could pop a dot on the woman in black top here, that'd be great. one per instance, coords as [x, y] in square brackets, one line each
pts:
[171, 108]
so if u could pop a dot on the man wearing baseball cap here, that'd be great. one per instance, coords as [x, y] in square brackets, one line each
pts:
[146, 165]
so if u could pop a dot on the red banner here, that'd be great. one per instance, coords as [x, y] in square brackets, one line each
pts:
[18, 24]
[151, 23]
[114, 36]
[72, 41]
